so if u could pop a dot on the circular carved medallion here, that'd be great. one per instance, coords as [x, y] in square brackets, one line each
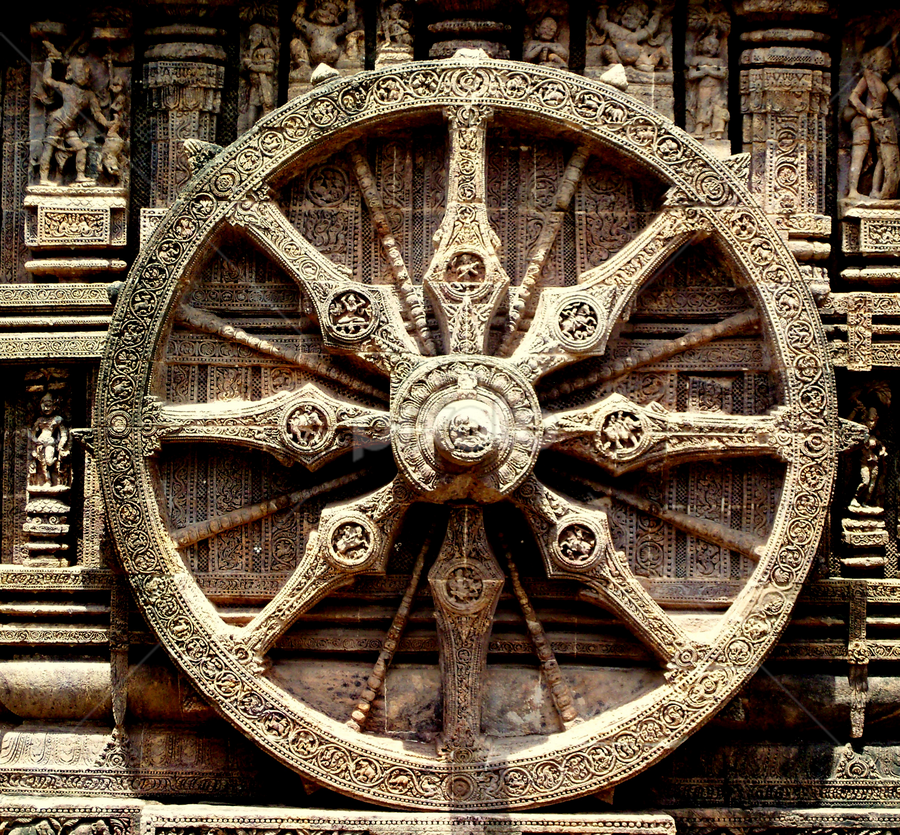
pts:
[584, 437]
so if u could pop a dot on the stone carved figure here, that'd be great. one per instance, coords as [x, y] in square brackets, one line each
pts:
[63, 137]
[395, 29]
[869, 494]
[327, 35]
[50, 445]
[871, 124]
[544, 48]
[706, 75]
[41, 827]
[308, 426]
[635, 40]
[259, 67]
[706, 69]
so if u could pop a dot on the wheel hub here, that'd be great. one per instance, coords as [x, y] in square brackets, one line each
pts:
[466, 428]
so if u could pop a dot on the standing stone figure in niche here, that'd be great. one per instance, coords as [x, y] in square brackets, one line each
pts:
[259, 65]
[395, 28]
[50, 445]
[868, 121]
[869, 495]
[61, 137]
[323, 32]
[632, 41]
[706, 74]
[544, 48]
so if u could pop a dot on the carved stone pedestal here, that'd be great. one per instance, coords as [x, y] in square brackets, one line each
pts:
[863, 529]
[871, 227]
[80, 217]
[47, 523]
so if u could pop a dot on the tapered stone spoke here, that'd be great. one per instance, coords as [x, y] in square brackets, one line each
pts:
[363, 320]
[741, 323]
[208, 528]
[574, 322]
[376, 678]
[413, 306]
[575, 542]
[465, 279]
[553, 221]
[619, 435]
[466, 582]
[556, 682]
[352, 538]
[308, 425]
[747, 544]
[206, 322]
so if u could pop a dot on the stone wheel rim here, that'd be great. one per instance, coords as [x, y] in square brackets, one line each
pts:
[231, 189]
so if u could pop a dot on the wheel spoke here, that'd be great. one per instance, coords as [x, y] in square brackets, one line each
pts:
[198, 531]
[466, 582]
[559, 689]
[741, 542]
[375, 681]
[552, 223]
[574, 322]
[308, 425]
[363, 320]
[465, 279]
[352, 538]
[206, 322]
[412, 303]
[576, 544]
[619, 435]
[740, 323]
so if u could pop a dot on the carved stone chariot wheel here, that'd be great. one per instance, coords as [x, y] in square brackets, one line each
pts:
[486, 376]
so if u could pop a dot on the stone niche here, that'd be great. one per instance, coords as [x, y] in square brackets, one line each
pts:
[80, 116]
[868, 162]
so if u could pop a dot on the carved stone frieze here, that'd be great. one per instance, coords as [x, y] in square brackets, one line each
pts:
[637, 36]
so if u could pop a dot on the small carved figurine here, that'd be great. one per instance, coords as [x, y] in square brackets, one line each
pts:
[631, 42]
[259, 65]
[868, 120]
[706, 74]
[870, 492]
[544, 48]
[394, 27]
[324, 33]
[50, 445]
[61, 137]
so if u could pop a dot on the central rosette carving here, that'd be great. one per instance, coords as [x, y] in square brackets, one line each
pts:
[466, 428]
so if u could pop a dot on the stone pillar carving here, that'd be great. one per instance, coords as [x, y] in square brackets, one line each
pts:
[637, 36]
[13, 253]
[785, 94]
[329, 33]
[706, 75]
[184, 76]
[395, 34]
[49, 483]
[79, 121]
[458, 24]
[258, 85]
